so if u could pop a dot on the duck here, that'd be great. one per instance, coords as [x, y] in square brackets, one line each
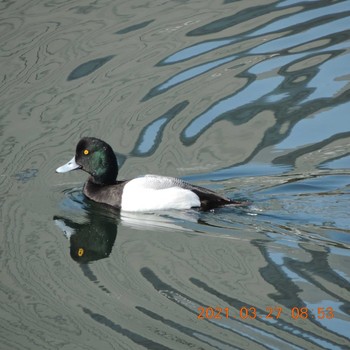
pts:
[145, 193]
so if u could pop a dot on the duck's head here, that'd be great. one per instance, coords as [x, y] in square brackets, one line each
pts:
[95, 157]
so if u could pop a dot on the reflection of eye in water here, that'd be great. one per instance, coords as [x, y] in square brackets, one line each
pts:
[91, 240]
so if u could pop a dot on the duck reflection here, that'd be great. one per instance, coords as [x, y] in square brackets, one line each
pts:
[91, 240]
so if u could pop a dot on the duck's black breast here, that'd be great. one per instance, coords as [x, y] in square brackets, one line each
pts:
[107, 194]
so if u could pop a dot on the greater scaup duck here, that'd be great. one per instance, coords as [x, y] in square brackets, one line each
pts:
[145, 193]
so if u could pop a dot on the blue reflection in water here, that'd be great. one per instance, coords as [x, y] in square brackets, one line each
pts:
[275, 62]
[250, 93]
[272, 46]
[329, 79]
[193, 72]
[336, 324]
[277, 44]
[315, 33]
[150, 134]
[301, 17]
[341, 163]
[197, 50]
[319, 128]
[287, 3]
[295, 276]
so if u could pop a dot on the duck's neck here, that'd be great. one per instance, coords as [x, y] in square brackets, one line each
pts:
[97, 180]
[104, 178]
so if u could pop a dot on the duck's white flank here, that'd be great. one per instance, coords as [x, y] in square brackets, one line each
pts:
[152, 192]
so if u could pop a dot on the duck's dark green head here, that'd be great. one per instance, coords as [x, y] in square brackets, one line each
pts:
[95, 157]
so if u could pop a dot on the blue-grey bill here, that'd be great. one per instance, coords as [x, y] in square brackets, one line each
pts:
[71, 165]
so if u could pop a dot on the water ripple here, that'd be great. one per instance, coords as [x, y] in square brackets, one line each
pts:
[88, 67]
[247, 98]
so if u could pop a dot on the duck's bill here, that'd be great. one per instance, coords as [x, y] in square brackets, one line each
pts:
[71, 165]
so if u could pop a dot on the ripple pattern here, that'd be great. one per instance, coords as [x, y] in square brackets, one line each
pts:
[250, 98]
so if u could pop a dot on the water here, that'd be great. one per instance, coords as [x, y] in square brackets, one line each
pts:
[250, 99]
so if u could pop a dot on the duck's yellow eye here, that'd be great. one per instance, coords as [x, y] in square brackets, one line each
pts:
[86, 152]
[80, 252]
